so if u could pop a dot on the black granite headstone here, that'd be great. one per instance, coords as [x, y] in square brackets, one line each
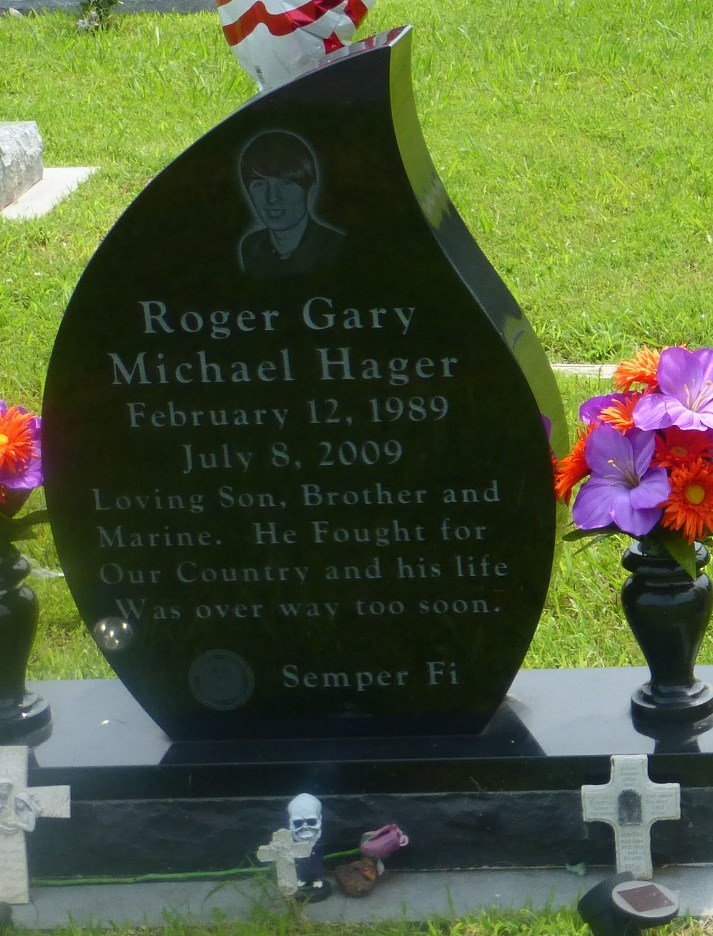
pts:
[295, 456]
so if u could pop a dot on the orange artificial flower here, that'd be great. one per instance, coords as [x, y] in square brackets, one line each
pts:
[689, 508]
[571, 469]
[641, 369]
[620, 414]
[676, 447]
[17, 441]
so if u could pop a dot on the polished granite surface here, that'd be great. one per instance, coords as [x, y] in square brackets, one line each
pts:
[556, 730]
[507, 798]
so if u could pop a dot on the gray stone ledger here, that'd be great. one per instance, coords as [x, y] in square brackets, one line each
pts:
[20, 159]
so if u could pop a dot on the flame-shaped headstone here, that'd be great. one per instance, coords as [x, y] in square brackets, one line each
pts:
[296, 461]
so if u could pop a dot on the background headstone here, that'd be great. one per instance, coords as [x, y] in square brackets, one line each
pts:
[20, 159]
[304, 494]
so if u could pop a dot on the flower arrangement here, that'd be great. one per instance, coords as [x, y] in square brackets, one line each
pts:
[20, 472]
[643, 458]
[97, 14]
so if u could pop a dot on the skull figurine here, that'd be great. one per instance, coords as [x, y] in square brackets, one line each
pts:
[305, 814]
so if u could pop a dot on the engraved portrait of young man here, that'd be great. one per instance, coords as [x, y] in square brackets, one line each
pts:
[279, 174]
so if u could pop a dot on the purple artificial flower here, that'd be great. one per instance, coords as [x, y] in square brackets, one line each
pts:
[686, 398]
[589, 410]
[622, 489]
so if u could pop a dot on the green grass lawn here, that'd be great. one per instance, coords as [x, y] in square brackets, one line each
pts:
[573, 136]
[569, 134]
[524, 923]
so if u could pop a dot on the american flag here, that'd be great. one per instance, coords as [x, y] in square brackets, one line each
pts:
[275, 40]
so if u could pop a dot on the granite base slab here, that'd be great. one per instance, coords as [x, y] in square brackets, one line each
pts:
[506, 798]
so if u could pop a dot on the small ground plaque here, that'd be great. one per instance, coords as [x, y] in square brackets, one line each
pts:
[295, 456]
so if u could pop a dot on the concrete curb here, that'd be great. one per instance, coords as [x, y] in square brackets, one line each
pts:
[52, 188]
[414, 896]
[600, 371]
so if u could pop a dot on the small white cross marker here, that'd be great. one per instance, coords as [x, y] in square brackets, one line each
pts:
[284, 851]
[19, 810]
[630, 803]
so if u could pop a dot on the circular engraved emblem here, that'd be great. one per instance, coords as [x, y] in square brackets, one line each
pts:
[220, 679]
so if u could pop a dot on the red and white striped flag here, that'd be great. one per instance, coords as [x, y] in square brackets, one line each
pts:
[276, 40]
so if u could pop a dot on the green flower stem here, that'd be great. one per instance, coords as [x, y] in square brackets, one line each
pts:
[177, 876]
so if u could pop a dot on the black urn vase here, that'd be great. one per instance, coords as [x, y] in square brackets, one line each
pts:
[668, 613]
[22, 713]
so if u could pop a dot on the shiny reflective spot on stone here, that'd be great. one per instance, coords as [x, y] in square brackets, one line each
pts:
[112, 634]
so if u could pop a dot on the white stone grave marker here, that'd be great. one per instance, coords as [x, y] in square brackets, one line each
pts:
[20, 159]
[630, 803]
[284, 851]
[20, 808]
[27, 188]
